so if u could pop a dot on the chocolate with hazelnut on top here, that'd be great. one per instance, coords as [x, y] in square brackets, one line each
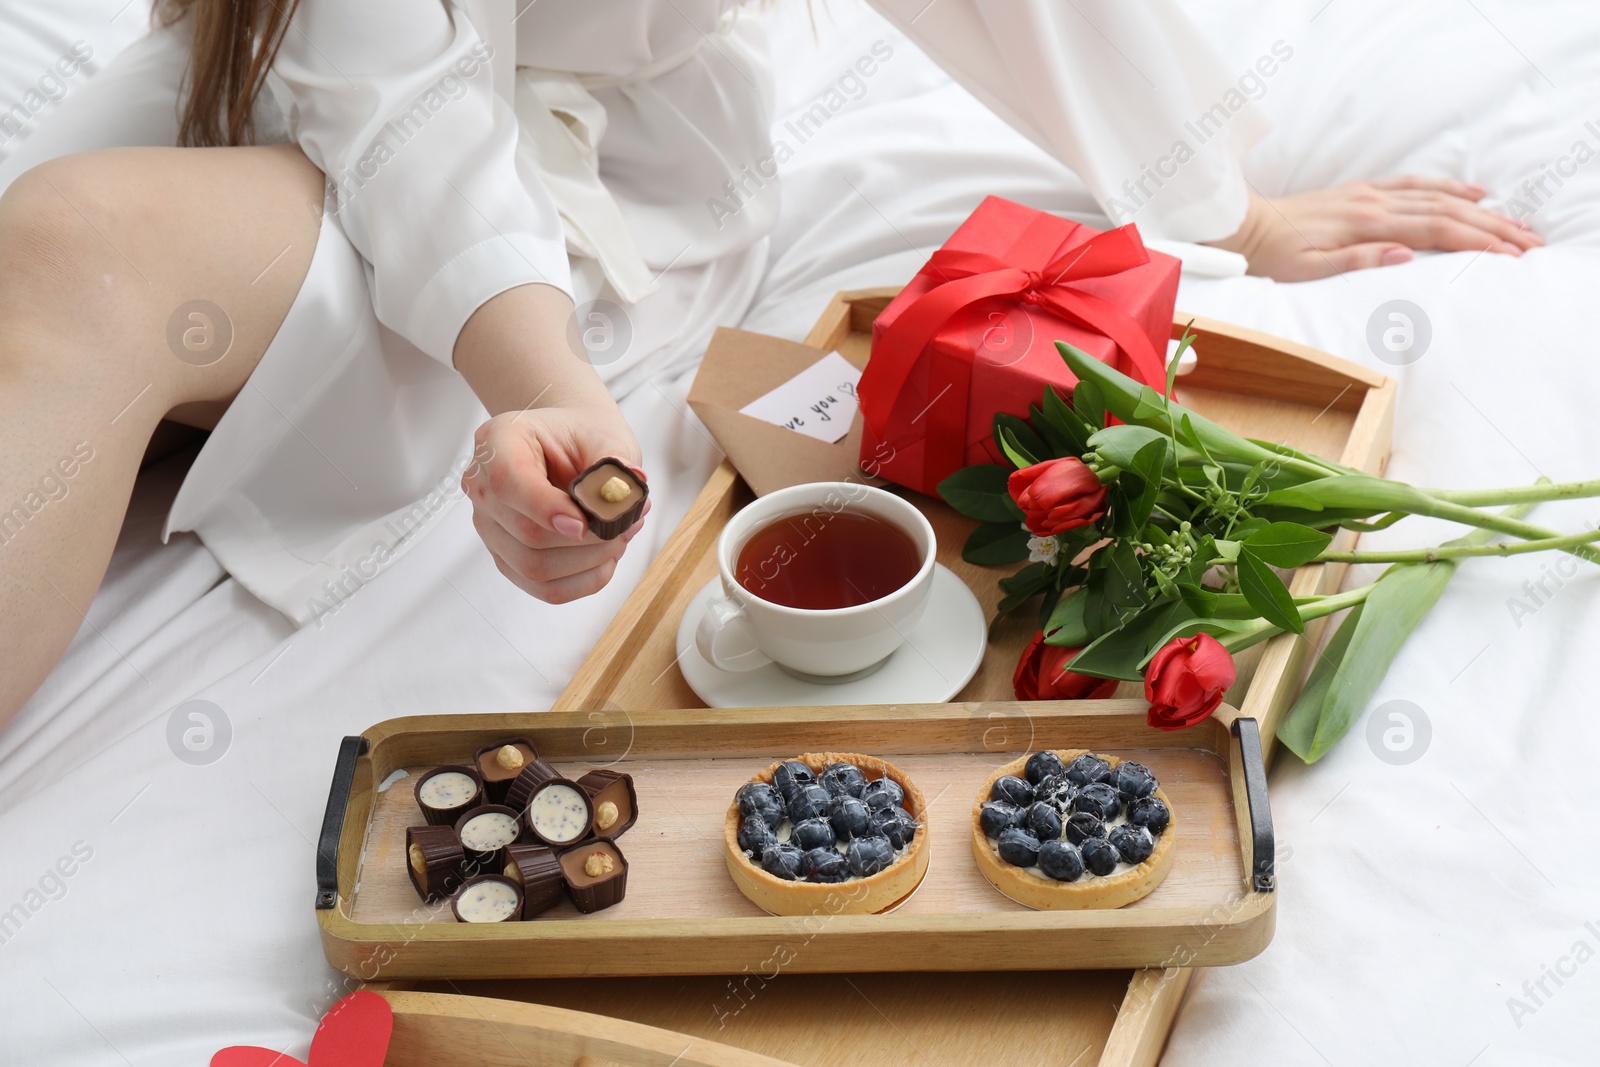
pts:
[596, 873]
[499, 763]
[616, 805]
[610, 496]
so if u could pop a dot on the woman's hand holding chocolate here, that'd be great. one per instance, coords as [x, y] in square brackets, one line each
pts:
[517, 483]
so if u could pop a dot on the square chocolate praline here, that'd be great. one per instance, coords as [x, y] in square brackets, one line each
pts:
[538, 871]
[434, 860]
[606, 786]
[496, 775]
[609, 518]
[592, 892]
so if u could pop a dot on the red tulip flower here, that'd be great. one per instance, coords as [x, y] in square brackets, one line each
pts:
[1185, 681]
[1057, 495]
[1042, 675]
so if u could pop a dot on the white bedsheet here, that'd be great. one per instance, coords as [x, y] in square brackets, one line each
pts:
[1416, 899]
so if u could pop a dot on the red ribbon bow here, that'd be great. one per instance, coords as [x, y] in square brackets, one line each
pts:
[1032, 273]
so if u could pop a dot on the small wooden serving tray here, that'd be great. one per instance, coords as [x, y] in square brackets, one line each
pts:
[683, 914]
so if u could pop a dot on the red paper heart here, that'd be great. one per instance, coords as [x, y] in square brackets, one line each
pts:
[354, 1033]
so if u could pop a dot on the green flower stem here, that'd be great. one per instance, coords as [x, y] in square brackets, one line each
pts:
[1502, 523]
[1442, 552]
[1524, 494]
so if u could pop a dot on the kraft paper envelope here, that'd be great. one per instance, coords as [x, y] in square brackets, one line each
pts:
[740, 367]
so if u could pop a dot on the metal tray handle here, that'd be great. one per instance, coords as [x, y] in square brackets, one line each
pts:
[1263, 873]
[344, 776]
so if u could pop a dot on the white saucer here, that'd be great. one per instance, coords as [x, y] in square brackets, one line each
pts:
[939, 657]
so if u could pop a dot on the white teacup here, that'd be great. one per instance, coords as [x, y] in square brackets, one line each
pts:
[740, 631]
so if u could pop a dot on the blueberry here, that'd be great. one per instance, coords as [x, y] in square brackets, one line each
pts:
[824, 865]
[1058, 791]
[1151, 813]
[1060, 861]
[759, 798]
[1099, 855]
[868, 855]
[1082, 826]
[850, 817]
[1098, 799]
[783, 861]
[1133, 842]
[1013, 789]
[809, 802]
[791, 776]
[1133, 780]
[1018, 847]
[755, 837]
[883, 793]
[1044, 821]
[843, 779]
[897, 825]
[1042, 764]
[813, 833]
[997, 815]
[1087, 768]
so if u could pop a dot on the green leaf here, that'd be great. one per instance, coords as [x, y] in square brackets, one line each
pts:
[1361, 493]
[1186, 627]
[1266, 593]
[1066, 627]
[1119, 444]
[1299, 726]
[1227, 550]
[1056, 443]
[1184, 344]
[1014, 452]
[1058, 414]
[995, 543]
[1201, 601]
[1089, 402]
[1022, 437]
[1147, 467]
[1124, 589]
[1287, 544]
[1135, 403]
[1117, 654]
[980, 492]
[1394, 608]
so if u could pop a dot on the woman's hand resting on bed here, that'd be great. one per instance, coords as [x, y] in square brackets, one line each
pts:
[553, 418]
[1370, 224]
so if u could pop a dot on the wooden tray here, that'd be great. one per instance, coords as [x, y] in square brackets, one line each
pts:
[1249, 382]
[683, 913]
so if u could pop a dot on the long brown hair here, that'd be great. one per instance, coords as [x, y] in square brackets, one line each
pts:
[235, 42]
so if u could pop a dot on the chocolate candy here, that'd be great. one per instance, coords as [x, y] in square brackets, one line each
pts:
[596, 873]
[559, 813]
[616, 805]
[501, 762]
[486, 831]
[434, 859]
[538, 871]
[610, 496]
[445, 792]
[528, 781]
[488, 898]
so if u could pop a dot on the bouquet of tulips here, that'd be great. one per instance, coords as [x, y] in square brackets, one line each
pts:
[1156, 541]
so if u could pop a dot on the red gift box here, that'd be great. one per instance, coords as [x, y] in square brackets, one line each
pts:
[974, 334]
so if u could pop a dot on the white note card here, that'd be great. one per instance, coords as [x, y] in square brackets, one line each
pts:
[819, 402]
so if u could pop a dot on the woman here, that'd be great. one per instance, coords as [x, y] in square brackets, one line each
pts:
[385, 214]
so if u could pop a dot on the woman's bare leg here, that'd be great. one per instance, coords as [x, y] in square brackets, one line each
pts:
[104, 260]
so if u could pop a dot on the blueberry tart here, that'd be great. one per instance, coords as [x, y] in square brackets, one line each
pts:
[1073, 829]
[827, 834]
